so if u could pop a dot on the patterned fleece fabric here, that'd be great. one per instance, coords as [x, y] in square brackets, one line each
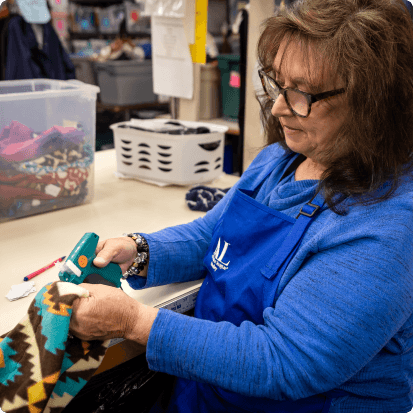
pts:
[42, 367]
[40, 172]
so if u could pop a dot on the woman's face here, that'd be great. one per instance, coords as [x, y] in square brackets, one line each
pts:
[311, 136]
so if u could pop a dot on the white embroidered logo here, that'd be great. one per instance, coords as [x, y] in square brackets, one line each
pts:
[217, 256]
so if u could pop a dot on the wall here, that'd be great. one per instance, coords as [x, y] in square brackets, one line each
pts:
[254, 139]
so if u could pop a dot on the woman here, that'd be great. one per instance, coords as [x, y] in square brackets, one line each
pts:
[307, 303]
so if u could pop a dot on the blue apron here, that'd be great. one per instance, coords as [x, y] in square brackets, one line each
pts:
[251, 246]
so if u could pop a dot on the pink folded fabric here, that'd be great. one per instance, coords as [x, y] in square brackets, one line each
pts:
[20, 143]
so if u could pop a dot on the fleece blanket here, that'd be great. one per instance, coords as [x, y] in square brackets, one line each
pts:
[42, 367]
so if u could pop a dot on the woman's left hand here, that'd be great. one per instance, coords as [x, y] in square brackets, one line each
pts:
[110, 313]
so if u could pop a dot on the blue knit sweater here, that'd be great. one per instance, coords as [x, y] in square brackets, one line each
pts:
[343, 318]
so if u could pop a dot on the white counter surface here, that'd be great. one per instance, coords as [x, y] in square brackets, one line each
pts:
[119, 206]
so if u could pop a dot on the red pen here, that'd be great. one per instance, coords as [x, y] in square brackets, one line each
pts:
[33, 274]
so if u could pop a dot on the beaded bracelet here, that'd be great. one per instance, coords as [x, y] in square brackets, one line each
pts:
[142, 258]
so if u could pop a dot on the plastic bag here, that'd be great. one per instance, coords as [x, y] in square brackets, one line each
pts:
[165, 8]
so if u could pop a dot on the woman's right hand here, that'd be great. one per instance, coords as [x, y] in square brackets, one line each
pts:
[120, 250]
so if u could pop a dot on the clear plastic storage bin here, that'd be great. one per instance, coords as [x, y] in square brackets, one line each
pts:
[172, 159]
[47, 144]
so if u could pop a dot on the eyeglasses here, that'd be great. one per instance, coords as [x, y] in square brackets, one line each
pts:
[298, 102]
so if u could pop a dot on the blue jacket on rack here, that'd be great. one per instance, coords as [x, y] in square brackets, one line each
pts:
[26, 61]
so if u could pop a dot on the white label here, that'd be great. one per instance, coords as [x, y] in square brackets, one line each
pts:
[73, 268]
[52, 190]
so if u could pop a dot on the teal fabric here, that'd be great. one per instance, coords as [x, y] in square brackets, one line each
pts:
[41, 367]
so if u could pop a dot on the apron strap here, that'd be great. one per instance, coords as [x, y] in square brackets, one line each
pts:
[291, 242]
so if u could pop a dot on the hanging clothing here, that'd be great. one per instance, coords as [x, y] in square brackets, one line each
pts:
[25, 60]
[342, 318]
[4, 27]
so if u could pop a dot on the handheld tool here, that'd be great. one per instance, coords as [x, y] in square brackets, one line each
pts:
[79, 263]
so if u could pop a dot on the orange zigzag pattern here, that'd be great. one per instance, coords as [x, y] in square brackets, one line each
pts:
[2, 363]
[63, 307]
[37, 393]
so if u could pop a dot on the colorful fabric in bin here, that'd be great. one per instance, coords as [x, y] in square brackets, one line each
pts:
[42, 171]
[24, 207]
[58, 161]
[45, 187]
[42, 367]
[20, 143]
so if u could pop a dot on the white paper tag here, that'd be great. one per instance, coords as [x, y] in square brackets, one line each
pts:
[21, 290]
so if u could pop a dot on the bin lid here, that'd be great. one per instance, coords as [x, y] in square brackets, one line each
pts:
[39, 88]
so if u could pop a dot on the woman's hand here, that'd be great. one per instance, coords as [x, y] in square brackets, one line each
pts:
[110, 313]
[121, 250]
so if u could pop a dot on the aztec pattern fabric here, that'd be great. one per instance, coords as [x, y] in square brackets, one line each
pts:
[203, 198]
[42, 367]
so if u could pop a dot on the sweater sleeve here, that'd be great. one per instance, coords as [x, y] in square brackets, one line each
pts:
[347, 299]
[176, 253]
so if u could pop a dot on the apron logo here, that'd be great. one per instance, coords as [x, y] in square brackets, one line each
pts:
[217, 257]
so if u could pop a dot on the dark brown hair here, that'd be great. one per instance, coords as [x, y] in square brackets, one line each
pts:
[369, 45]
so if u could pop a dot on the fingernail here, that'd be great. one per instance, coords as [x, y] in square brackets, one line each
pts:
[99, 260]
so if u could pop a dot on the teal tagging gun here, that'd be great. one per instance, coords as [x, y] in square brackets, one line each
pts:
[79, 265]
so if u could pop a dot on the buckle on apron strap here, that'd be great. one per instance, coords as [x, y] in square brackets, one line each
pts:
[308, 214]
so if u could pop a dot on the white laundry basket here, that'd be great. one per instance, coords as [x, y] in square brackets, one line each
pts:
[165, 158]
